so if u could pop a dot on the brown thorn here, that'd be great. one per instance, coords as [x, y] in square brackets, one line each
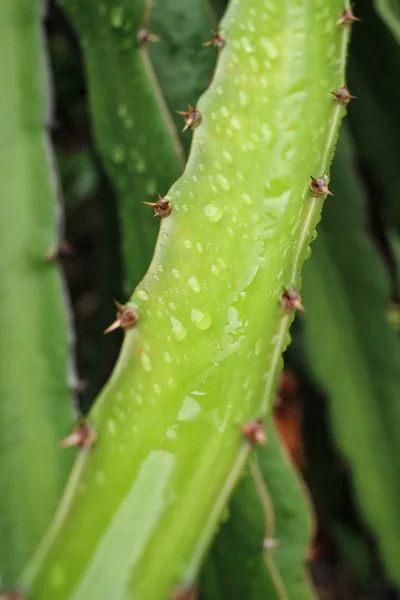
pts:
[342, 95]
[162, 208]
[217, 40]
[347, 17]
[270, 544]
[319, 186]
[113, 327]
[127, 318]
[192, 117]
[184, 593]
[11, 595]
[254, 431]
[291, 300]
[144, 37]
[60, 250]
[83, 436]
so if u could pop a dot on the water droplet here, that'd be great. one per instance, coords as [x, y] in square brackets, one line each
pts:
[246, 45]
[140, 166]
[199, 247]
[117, 17]
[227, 156]
[187, 244]
[164, 235]
[176, 273]
[190, 409]
[243, 98]
[118, 154]
[202, 320]
[146, 362]
[270, 49]
[224, 111]
[236, 124]
[234, 319]
[266, 133]
[160, 268]
[213, 213]
[111, 426]
[258, 347]
[214, 270]
[142, 294]
[178, 329]
[221, 262]
[171, 434]
[150, 187]
[122, 111]
[254, 66]
[247, 199]
[194, 284]
[314, 235]
[168, 357]
[157, 389]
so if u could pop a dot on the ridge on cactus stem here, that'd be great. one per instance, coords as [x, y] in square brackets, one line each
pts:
[204, 357]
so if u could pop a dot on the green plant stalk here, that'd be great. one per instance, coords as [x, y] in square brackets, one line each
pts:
[389, 10]
[183, 66]
[376, 82]
[345, 326]
[205, 355]
[134, 133]
[260, 552]
[35, 400]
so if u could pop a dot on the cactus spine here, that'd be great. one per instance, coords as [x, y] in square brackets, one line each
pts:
[206, 352]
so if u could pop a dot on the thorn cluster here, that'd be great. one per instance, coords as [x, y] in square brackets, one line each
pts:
[291, 300]
[217, 40]
[254, 431]
[319, 186]
[144, 37]
[343, 95]
[82, 436]
[127, 318]
[162, 208]
[192, 117]
[347, 17]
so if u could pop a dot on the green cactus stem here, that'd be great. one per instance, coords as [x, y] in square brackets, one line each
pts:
[261, 550]
[35, 399]
[205, 354]
[134, 133]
